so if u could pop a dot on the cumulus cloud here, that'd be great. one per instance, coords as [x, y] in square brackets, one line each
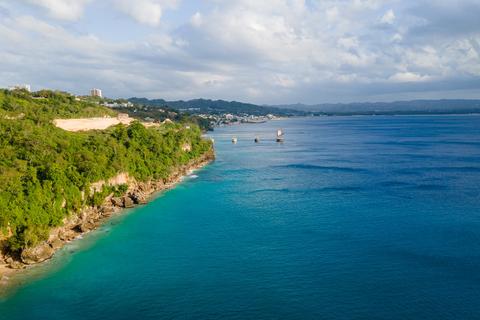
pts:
[408, 77]
[145, 11]
[388, 17]
[276, 52]
[62, 9]
[197, 19]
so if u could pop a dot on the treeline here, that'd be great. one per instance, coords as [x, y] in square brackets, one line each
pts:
[45, 171]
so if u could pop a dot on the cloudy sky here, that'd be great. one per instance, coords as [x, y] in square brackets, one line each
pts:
[261, 51]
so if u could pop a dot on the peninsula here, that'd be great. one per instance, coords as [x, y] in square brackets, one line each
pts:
[57, 182]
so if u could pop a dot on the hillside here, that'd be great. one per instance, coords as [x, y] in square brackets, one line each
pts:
[206, 106]
[46, 172]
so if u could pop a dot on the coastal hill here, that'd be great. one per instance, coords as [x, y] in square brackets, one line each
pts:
[399, 107]
[52, 178]
[206, 106]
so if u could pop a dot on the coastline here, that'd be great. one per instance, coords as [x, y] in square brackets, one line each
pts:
[91, 218]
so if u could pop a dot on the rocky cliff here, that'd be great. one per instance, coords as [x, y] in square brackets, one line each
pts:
[90, 218]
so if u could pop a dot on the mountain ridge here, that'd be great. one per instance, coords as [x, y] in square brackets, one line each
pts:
[419, 106]
[423, 106]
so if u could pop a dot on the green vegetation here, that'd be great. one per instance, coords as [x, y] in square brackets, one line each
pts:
[206, 106]
[45, 170]
[160, 114]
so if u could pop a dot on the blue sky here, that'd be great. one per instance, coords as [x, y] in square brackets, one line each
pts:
[268, 52]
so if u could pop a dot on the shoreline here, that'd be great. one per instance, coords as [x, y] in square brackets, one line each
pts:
[90, 219]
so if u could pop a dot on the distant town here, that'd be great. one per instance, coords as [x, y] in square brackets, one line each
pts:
[207, 118]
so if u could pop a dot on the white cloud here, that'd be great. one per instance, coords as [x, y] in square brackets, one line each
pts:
[388, 17]
[197, 19]
[62, 9]
[271, 52]
[397, 37]
[348, 42]
[148, 12]
[332, 14]
[409, 77]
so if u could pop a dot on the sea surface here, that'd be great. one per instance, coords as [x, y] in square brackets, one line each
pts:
[349, 218]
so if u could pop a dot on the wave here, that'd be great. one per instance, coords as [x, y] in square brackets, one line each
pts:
[425, 187]
[430, 187]
[420, 170]
[323, 168]
[325, 189]
[394, 183]
[270, 190]
[339, 189]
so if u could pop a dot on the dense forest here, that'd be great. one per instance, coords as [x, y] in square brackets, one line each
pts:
[44, 170]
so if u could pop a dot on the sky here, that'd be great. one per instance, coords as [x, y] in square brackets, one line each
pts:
[265, 52]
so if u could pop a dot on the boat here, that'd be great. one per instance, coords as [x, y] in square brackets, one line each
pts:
[254, 121]
[234, 140]
[280, 134]
[257, 140]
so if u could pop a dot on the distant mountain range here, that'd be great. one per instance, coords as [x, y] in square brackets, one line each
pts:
[197, 106]
[218, 107]
[398, 107]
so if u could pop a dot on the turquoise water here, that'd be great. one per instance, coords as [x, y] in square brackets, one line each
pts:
[350, 218]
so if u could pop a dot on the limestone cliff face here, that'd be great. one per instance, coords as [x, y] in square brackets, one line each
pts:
[121, 178]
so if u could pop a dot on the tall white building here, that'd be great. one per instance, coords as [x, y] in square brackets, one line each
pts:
[20, 86]
[96, 92]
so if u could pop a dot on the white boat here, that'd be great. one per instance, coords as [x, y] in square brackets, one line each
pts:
[234, 140]
[280, 135]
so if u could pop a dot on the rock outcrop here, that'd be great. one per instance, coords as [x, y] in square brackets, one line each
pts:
[14, 264]
[128, 202]
[37, 254]
[138, 196]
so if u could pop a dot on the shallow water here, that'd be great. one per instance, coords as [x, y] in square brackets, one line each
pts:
[351, 217]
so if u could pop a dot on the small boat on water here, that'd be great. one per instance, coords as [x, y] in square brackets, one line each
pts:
[234, 140]
[280, 135]
[257, 140]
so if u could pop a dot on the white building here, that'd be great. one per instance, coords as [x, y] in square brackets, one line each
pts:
[20, 86]
[96, 92]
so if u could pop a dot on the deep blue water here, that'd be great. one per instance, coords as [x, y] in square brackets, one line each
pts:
[350, 218]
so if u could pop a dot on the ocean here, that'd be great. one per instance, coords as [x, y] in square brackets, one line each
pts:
[349, 218]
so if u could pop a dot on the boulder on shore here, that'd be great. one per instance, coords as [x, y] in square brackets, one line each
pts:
[128, 202]
[14, 264]
[138, 197]
[37, 254]
[117, 201]
[56, 244]
[107, 210]
[86, 226]
[67, 235]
